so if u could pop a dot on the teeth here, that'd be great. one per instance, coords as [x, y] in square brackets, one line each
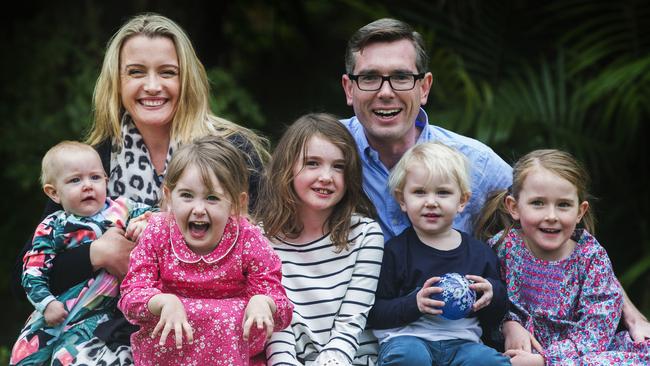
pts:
[198, 228]
[550, 231]
[322, 191]
[152, 103]
[387, 112]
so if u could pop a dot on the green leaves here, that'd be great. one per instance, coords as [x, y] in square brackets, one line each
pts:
[574, 75]
[231, 101]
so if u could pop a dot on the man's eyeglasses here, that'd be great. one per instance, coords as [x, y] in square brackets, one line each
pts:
[398, 82]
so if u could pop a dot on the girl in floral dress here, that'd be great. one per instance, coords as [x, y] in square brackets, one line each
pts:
[203, 284]
[565, 300]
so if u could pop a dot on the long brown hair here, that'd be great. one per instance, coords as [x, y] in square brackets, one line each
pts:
[495, 217]
[278, 202]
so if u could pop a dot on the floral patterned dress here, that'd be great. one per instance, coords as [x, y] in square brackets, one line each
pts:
[214, 289]
[88, 304]
[571, 306]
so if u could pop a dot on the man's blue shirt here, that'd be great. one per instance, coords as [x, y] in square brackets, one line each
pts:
[488, 173]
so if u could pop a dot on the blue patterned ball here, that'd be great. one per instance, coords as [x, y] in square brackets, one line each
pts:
[456, 294]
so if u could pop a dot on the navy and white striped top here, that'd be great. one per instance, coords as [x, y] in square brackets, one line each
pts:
[332, 294]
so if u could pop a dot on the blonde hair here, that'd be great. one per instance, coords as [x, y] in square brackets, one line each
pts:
[495, 217]
[212, 155]
[49, 163]
[278, 208]
[438, 160]
[192, 118]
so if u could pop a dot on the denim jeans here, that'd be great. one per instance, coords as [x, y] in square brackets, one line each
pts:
[414, 351]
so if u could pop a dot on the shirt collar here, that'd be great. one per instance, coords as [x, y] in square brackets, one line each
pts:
[422, 123]
[183, 253]
[99, 216]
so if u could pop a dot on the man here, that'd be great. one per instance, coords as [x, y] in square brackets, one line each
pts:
[386, 83]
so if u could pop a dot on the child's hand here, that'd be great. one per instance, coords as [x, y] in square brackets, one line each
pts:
[260, 310]
[55, 313]
[331, 357]
[523, 358]
[484, 287]
[518, 338]
[136, 226]
[172, 317]
[426, 305]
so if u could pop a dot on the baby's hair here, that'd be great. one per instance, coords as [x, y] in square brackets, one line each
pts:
[49, 166]
[278, 208]
[211, 155]
[438, 160]
[495, 217]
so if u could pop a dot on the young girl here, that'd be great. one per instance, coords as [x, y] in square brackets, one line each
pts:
[566, 301]
[203, 283]
[315, 213]
[72, 175]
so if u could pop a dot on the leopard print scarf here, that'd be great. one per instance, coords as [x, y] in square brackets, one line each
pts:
[132, 173]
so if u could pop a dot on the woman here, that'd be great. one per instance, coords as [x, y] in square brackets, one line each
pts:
[151, 96]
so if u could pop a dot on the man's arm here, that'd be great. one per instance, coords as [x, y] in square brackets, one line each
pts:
[636, 323]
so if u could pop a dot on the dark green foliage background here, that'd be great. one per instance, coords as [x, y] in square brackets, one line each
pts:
[517, 75]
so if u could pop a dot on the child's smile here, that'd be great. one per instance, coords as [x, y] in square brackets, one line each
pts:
[548, 210]
[318, 177]
[431, 203]
[201, 214]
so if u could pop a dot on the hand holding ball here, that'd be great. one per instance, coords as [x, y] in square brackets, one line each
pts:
[456, 294]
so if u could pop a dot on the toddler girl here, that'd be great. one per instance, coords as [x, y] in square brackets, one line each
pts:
[72, 175]
[566, 301]
[316, 215]
[203, 283]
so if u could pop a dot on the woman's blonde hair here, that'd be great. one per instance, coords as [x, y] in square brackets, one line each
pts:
[278, 202]
[438, 160]
[495, 217]
[212, 155]
[192, 118]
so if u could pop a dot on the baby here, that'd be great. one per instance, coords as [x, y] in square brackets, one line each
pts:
[72, 176]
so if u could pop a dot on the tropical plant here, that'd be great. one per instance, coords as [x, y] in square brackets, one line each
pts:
[575, 75]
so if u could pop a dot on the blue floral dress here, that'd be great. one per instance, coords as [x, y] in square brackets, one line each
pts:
[571, 306]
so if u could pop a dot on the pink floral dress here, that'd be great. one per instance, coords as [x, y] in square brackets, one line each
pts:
[214, 289]
[571, 306]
